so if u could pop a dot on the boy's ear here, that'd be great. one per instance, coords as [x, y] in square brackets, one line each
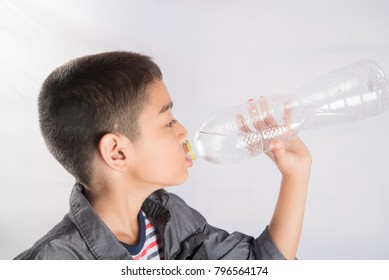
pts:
[114, 151]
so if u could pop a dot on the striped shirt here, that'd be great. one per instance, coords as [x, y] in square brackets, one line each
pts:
[148, 247]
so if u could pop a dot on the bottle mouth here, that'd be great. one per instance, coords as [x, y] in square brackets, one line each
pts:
[189, 150]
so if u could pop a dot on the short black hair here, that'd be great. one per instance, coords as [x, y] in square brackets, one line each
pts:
[88, 97]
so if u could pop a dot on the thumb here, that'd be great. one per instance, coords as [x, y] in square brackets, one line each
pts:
[278, 149]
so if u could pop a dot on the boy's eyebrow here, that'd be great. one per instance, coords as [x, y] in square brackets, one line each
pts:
[166, 107]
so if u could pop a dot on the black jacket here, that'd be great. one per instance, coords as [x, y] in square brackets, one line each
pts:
[184, 233]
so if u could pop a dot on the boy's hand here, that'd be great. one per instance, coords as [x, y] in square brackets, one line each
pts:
[292, 158]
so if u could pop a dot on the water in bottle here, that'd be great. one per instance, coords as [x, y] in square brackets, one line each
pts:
[357, 91]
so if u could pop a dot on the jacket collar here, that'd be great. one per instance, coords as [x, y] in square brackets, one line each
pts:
[100, 240]
[155, 206]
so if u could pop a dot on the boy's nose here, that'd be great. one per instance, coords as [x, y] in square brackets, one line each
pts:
[183, 133]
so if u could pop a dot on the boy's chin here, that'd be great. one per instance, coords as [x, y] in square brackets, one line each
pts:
[179, 181]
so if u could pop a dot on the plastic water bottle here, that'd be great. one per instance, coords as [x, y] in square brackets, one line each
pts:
[357, 91]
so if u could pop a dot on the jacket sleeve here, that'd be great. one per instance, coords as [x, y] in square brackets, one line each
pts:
[236, 245]
[219, 243]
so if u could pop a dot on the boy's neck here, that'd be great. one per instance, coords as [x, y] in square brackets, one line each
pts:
[118, 207]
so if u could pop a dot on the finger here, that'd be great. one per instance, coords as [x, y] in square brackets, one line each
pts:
[288, 117]
[287, 113]
[267, 116]
[241, 124]
[278, 150]
[255, 117]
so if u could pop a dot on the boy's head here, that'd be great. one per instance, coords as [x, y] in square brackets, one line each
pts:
[91, 96]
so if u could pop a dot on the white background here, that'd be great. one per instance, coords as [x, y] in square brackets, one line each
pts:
[213, 54]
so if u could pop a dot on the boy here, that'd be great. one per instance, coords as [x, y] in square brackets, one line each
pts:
[101, 117]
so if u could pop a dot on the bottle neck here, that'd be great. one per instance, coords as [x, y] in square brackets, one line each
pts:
[189, 149]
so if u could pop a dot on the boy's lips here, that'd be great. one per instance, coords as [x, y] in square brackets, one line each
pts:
[189, 162]
[187, 154]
